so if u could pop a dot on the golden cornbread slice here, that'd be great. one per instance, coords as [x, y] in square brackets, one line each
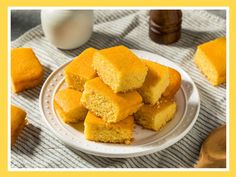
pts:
[174, 84]
[156, 116]
[18, 122]
[68, 106]
[98, 98]
[156, 82]
[211, 60]
[80, 70]
[119, 68]
[96, 129]
[26, 70]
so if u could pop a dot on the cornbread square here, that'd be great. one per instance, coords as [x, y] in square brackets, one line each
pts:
[96, 129]
[156, 82]
[211, 60]
[156, 116]
[18, 122]
[174, 84]
[68, 106]
[98, 98]
[80, 70]
[26, 70]
[119, 68]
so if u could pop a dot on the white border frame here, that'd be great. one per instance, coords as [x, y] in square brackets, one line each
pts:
[226, 8]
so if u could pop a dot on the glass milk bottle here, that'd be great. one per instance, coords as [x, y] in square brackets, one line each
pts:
[67, 29]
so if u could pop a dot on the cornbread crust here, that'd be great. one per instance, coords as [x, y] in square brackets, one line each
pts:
[103, 102]
[80, 70]
[26, 70]
[98, 130]
[156, 82]
[174, 84]
[67, 105]
[156, 116]
[18, 122]
[210, 58]
[119, 68]
[21, 86]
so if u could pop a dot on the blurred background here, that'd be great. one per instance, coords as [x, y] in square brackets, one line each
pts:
[23, 20]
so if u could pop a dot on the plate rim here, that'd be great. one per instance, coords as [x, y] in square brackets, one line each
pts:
[123, 155]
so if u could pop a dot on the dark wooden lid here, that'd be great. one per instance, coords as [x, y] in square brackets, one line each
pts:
[166, 17]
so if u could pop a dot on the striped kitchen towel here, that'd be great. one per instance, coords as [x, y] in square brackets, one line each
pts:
[37, 147]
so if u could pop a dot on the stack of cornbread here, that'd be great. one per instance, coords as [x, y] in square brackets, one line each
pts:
[111, 89]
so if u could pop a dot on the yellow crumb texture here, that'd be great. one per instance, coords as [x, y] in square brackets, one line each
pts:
[26, 70]
[156, 116]
[103, 102]
[119, 68]
[156, 82]
[211, 60]
[174, 84]
[18, 122]
[68, 106]
[97, 129]
[80, 70]
[109, 90]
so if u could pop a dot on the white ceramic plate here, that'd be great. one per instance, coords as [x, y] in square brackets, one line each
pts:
[145, 141]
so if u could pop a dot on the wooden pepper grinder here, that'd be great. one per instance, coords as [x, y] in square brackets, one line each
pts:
[165, 26]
